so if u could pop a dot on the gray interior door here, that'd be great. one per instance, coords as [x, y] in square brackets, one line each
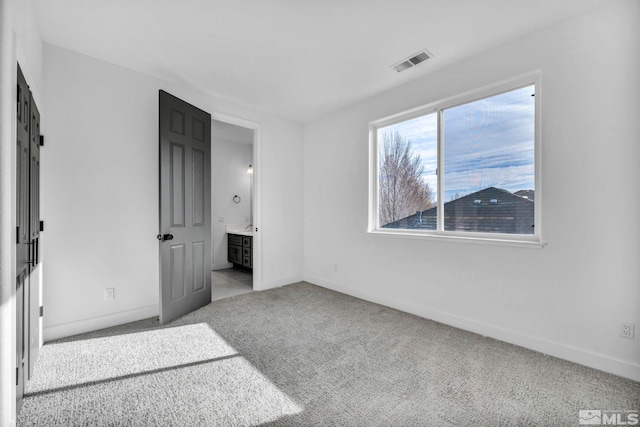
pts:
[185, 208]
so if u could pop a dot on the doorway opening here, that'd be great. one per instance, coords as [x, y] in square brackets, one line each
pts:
[234, 207]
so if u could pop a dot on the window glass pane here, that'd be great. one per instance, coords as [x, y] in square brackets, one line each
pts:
[489, 164]
[407, 162]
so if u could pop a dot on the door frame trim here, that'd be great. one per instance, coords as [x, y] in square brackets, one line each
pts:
[257, 190]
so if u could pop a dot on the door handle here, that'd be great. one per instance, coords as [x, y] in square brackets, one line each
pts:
[32, 253]
[163, 237]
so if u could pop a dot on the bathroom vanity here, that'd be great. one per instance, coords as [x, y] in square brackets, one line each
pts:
[239, 247]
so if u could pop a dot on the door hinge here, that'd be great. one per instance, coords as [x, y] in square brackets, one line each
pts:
[17, 235]
[41, 225]
[42, 140]
[17, 376]
[42, 311]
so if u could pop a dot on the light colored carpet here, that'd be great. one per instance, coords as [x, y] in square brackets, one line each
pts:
[303, 355]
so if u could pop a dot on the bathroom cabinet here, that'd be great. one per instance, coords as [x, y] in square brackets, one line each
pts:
[239, 251]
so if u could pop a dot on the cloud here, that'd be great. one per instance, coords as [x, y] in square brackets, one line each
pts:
[489, 142]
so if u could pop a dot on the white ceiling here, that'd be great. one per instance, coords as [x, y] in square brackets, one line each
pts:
[295, 58]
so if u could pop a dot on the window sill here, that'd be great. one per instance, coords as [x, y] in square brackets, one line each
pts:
[533, 243]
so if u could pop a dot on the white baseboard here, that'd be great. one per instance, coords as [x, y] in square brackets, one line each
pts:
[580, 356]
[64, 330]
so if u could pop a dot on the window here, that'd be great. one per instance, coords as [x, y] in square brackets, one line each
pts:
[464, 167]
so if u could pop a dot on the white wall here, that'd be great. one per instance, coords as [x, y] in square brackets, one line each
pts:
[566, 299]
[29, 44]
[230, 160]
[101, 192]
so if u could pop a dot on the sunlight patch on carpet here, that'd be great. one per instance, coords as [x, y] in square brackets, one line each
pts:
[186, 374]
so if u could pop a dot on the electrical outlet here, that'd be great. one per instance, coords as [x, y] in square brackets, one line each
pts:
[627, 329]
[109, 294]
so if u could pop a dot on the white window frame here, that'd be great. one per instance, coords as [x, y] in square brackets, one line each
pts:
[534, 240]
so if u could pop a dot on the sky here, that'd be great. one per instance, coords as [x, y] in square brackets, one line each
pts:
[489, 142]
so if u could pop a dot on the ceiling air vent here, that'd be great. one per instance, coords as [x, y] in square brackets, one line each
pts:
[415, 59]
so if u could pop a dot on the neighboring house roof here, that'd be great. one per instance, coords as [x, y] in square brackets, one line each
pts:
[527, 194]
[491, 210]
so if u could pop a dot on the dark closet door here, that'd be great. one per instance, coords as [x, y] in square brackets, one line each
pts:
[34, 183]
[27, 234]
[185, 207]
[21, 336]
[22, 232]
[33, 298]
[22, 175]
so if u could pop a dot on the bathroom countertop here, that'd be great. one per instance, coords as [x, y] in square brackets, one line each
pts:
[240, 229]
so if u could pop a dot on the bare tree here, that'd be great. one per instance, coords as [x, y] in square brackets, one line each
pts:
[403, 192]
